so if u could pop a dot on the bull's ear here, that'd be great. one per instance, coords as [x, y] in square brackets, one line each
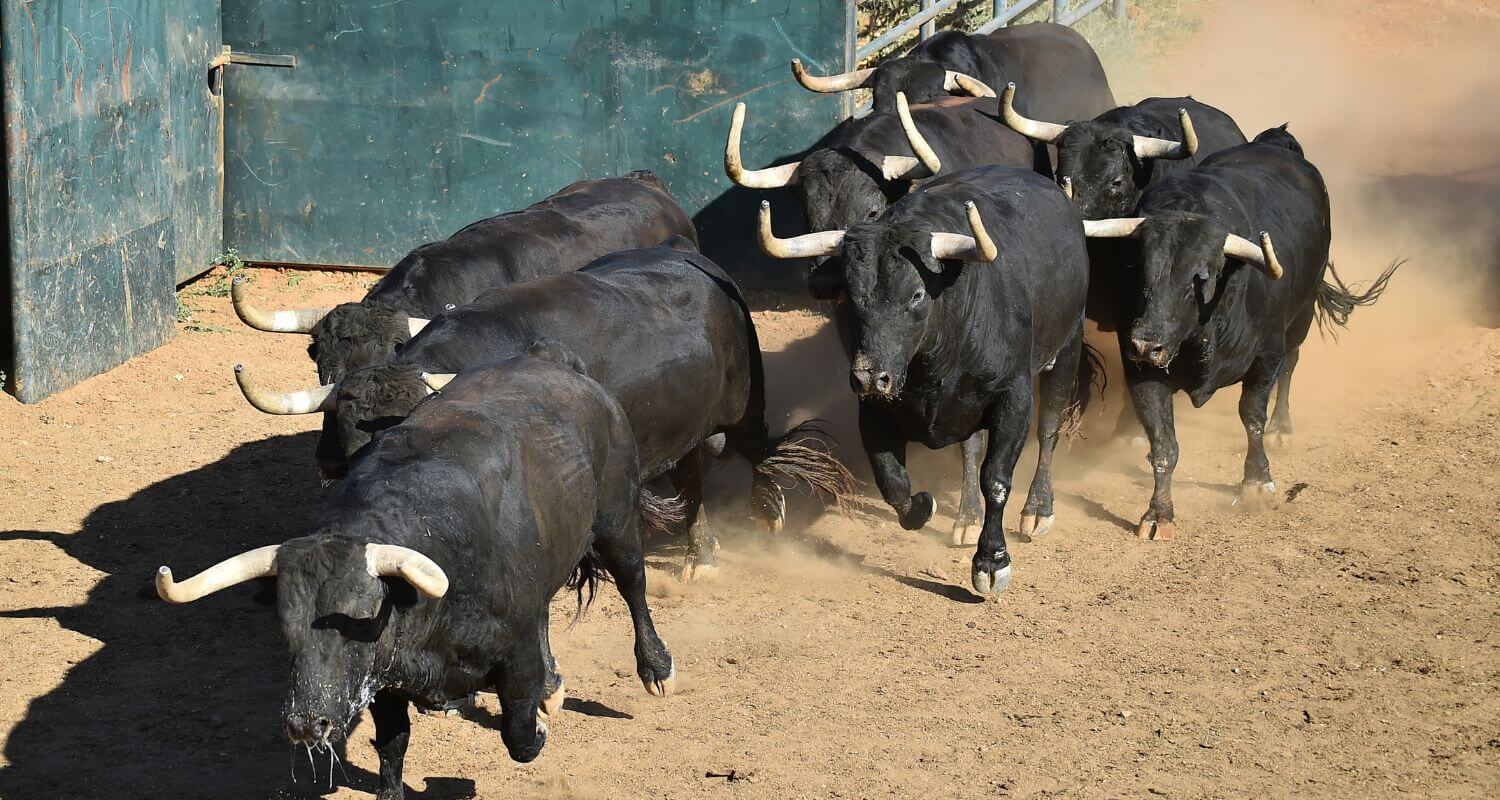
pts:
[1207, 278]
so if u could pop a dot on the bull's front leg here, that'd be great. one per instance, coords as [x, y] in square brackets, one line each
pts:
[970, 501]
[1153, 404]
[886, 446]
[1008, 421]
[1257, 490]
[392, 734]
[553, 691]
[520, 682]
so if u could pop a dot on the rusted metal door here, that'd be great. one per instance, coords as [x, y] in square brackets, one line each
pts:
[111, 181]
[404, 121]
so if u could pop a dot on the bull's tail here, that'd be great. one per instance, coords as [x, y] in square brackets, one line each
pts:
[661, 514]
[585, 581]
[1335, 300]
[1091, 377]
[802, 455]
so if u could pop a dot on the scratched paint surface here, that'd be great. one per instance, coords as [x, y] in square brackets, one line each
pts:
[111, 185]
[404, 120]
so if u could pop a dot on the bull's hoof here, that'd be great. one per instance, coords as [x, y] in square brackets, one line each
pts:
[1163, 530]
[528, 753]
[660, 687]
[989, 580]
[1033, 526]
[965, 533]
[552, 703]
[1258, 496]
[918, 513]
[693, 571]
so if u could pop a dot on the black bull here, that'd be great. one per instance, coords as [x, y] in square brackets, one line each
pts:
[663, 328]
[430, 573]
[1198, 314]
[945, 350]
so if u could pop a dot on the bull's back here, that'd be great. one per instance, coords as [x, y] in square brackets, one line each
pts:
[1060, 75]
[965, 132]
[579, 223]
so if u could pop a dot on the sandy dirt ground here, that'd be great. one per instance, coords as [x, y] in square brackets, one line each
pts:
[1343, 644]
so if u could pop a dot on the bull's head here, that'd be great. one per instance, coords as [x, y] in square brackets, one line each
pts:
[336, 596]
[838, 188]
[892, 272]
[344, 337]
[1182, 260]
[1107, 165]
[919, 79]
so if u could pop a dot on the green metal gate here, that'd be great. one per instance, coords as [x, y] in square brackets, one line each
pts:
[111, 186]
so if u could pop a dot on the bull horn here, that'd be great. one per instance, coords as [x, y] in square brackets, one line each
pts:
[437, 380]
[307, 401]
[1147, 147]
[1067, 187]
[395, 561]
[919, 145]
[1262, 255]
[959, 83]
[841, 82]
[279, 321]
[1032, 129]
[768, 178]
[247, 566]
[1117, 228]
[414, 325]
[979, 247]
[809, 245]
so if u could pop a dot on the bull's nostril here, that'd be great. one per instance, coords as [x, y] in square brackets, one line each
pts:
[883, 382]
[859, 379]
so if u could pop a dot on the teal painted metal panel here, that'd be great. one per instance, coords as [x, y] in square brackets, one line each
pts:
[404, 121]
[111, 186]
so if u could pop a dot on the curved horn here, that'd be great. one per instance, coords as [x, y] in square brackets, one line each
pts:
[810, 245]
[437, 380]
[979, 247]
[919, 145]
[1032, 129]
[1262, 255]
[1117, 228]
[247, 566]
[1147, 147]
[768, 178]
[307, 401]
[390, 560]
[841, 82]
[280, 321]
[959, 83]
[1067, 187]
[414, 325]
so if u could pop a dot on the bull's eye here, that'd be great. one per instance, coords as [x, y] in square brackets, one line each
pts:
[1117, 182]
[871, 215]
[917, 297]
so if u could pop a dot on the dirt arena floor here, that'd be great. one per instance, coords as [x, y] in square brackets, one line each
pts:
[1341, 645]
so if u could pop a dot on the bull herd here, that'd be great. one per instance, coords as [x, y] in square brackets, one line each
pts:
[495, 406]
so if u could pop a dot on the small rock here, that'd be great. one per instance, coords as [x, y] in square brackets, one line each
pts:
[178, 377]
[104, 459]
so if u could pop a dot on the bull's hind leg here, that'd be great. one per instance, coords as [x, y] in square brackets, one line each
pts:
[1055, 394]
[618, 543]
[1008, 418]
[1281, 418]
[886, 446]
[970, 504]
[687, 476]
[1257, 489]
[520, 680]
[392, 734]
[553, 692]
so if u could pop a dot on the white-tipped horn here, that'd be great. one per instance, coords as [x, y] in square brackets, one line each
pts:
[978, 247]
[959, 83]
[307, 401]
[389, 560]
[247, 566]
[1262, 255]
[734, 167]
[1067, 187]
[841, 82]
[808, 245]
[1147, 147]
[437, 380]
[279, 321]
[1030, 128]
[414, 325]
[914, 137]
[1117, 228]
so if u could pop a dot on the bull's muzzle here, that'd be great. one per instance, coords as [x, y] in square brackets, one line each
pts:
[872, 382]
[308, 729]
[1150, 351]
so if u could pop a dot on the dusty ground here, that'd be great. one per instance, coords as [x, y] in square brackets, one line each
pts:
[1342, 645]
